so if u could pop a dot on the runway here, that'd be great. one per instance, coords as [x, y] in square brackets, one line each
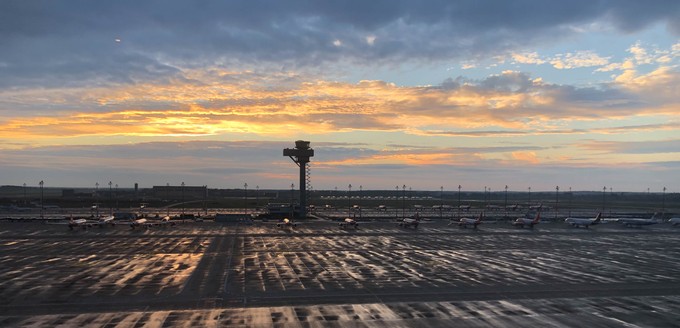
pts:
[208, 274]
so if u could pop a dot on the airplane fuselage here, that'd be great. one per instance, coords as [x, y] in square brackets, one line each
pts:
[349, 223]
[578, 222]
[464, 223]
[524, 223]
[78, 223]
[405, 223]
[286, 223]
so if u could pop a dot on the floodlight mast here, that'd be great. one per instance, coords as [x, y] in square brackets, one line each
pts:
[300, 155]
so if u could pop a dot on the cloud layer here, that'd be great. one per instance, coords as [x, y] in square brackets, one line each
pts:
[50, 43]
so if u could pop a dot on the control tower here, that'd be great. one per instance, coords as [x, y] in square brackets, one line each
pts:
[300, 155]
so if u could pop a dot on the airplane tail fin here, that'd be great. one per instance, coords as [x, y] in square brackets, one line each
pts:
[598, 218]
[538, 217]
[481, 215]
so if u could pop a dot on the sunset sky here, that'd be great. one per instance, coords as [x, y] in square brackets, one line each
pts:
[427, 94]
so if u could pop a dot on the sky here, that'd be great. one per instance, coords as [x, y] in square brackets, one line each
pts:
[426, 94]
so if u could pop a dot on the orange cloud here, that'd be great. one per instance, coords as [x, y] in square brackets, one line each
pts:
[525, 156]
[285, 105]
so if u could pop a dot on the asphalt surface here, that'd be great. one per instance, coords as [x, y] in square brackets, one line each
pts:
[380, 275]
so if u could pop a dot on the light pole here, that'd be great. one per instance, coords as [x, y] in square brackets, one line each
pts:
[557, 199]
[182, 200]
[361, 189]
[42, 207]
[396, 207]
[459, 201]
[403, 202]
[663, 201]
[485, 197]
[529, 197]
[349, 200]
[110, 200]
[96, 198]
[257, 197]
[441, 200]
[245, 190]
[604, 192]
[25, 193]
[506, 201]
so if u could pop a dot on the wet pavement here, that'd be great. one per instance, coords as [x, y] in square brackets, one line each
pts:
[208, 274]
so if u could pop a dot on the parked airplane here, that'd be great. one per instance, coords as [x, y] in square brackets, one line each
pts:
[636, 222]
[576, 222]
[535, 207]
[410, 222]
[141, 223]
[166, 220]
[523, 222]
[674, 221]
[512, 207]
[85, 223]
[465, 222]
[74, 223]
[106, 220]
[381, 208]
[286, 223]
[349, 222]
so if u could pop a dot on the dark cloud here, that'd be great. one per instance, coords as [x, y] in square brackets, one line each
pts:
[509, 82]
[48, 42]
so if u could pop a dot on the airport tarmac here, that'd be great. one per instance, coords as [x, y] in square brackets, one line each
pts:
[254, 275]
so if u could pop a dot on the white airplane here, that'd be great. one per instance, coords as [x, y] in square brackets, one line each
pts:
[465, 222]
[349, 222]
[104, 220]
[141, 223]
[166, 220]
[523, 222]
[410, 222]
[636, 222]
[465, 208]
[286, 223]
[576, 222]
[674, 221]
[381, 208]
[85, 223]
[74, 223]
[535, 207]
